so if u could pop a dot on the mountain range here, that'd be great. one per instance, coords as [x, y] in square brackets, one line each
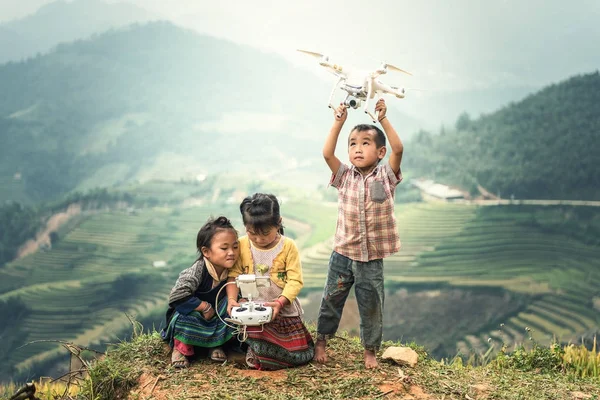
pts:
[61, 21]
[156, 101]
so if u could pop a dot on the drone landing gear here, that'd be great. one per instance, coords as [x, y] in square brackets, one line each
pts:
[333, 92]
[370, 95]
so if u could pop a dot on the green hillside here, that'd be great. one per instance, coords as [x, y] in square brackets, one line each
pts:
[151, 101]
[80, 289]
[544, 146]
[462, 272]
[100, 268]
[469, 269]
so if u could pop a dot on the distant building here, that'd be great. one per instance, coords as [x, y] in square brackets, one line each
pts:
[132, 211]
[432, 191]
[200, 177]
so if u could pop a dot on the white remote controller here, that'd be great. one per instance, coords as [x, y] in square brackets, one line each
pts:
[251, 313]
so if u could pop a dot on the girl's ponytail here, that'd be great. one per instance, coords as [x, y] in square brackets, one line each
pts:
[261, 212]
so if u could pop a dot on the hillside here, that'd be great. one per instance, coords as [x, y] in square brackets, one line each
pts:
[141, 369]
[153, 101]
[467, 277]
[544, 146]
[100, 267]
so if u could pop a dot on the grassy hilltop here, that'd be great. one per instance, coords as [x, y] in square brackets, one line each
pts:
[140, 369]
[467, 277]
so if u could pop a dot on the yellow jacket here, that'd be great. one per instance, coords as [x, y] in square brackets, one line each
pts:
[286, 271]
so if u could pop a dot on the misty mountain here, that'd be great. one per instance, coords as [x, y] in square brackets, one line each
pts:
[153, 101]
[158, 101]
[437, 108]
[544, 146]
[62, 21]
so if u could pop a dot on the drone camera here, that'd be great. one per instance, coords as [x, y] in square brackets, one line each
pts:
[352, 102]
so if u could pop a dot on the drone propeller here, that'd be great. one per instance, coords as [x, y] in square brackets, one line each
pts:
[311, 53]
[394, 68]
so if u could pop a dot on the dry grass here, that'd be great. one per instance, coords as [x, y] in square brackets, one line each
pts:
[140, 369]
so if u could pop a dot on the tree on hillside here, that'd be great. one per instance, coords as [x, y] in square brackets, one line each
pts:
[545, 146]
[18, 223]
[463, 122]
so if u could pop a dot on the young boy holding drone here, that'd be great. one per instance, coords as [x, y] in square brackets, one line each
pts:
[366, 230]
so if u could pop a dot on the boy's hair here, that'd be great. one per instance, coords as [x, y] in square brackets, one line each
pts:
[261, 212]
[379, 135]
[208, 230]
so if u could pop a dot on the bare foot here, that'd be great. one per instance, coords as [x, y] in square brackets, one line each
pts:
[370, 359]
[178, 360]
[320, 354]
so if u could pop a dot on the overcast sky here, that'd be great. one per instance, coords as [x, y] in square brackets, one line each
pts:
[447, 44]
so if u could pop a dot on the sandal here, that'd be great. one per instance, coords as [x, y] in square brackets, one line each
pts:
[178, 360]
[217, 354]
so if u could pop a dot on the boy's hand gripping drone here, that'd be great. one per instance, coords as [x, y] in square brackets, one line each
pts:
[360, 87]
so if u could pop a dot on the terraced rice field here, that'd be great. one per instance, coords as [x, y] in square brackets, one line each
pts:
[78, 291]
[102, 269]
[467, 246]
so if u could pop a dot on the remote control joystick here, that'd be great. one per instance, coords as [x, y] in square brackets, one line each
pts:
[251, 313]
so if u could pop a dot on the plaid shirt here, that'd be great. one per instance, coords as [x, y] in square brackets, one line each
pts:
[366, 225]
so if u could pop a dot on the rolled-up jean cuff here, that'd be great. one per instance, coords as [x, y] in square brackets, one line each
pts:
[324, 336]
[371, 348]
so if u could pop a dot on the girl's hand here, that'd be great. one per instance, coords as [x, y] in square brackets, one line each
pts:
[276, 306]
[380, 107]
[231, 302]
[209, 314]
[341, 113]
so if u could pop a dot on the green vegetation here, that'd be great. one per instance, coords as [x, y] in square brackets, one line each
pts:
[468, 276]
[19, 223]
[321, 219]
[115, 108]
[544, 146]
[141, 368]
[101, 267]
[92, 276]
[45, 389]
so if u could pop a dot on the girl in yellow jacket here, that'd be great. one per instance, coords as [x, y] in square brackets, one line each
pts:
[284, 342]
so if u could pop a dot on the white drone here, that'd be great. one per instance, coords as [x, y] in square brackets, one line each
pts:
[360, 87]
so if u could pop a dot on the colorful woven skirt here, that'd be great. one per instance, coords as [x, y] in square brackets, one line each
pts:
[194, 330]
[282, 343]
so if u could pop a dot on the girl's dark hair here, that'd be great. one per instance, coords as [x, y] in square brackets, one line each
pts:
[261, 212]
[208, 230]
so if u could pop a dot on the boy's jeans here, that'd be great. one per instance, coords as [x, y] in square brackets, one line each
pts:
[341, 275]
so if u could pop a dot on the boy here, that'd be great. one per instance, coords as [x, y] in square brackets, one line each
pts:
[366, 229]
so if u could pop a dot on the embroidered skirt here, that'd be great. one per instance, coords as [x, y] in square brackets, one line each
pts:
[282, 343]
[194, 330]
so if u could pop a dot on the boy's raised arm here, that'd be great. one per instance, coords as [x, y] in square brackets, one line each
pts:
[329, 148]
[396, 145]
